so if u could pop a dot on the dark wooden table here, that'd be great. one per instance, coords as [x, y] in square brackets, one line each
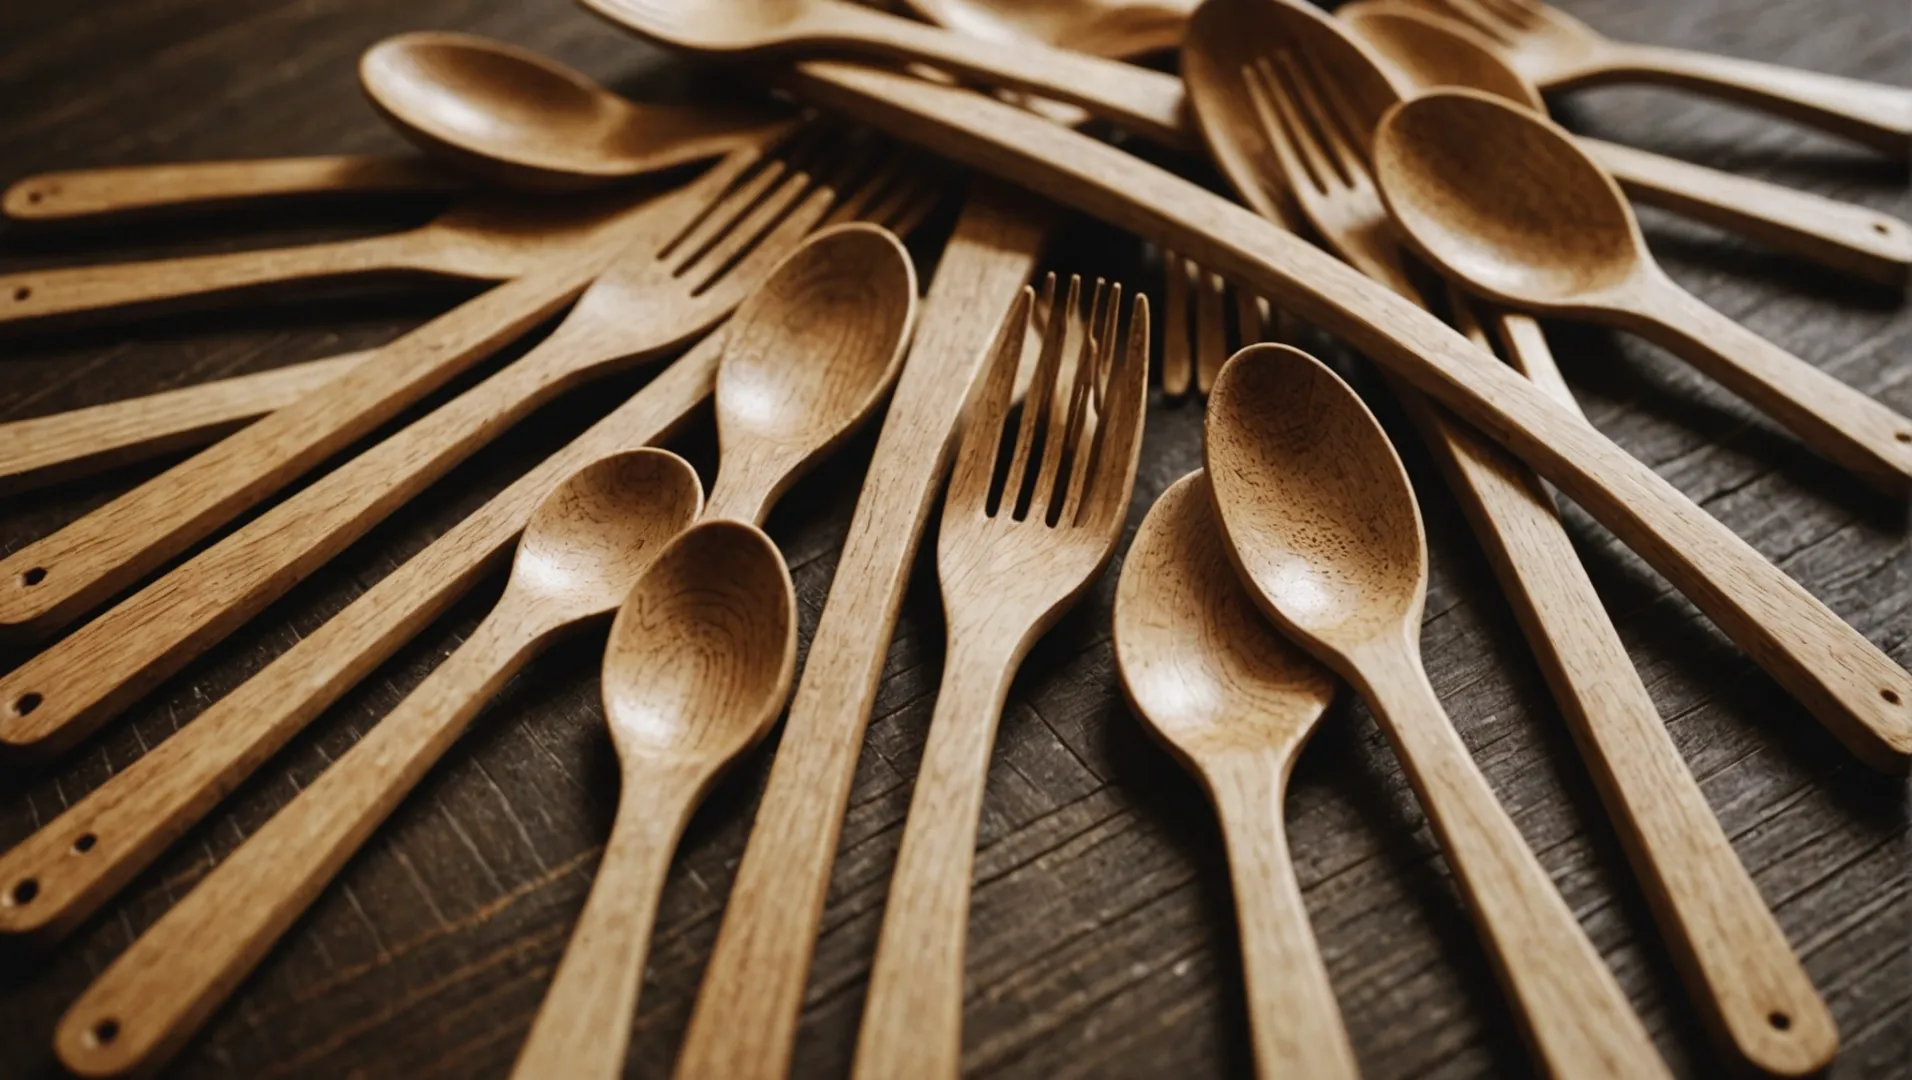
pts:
[1101, 942]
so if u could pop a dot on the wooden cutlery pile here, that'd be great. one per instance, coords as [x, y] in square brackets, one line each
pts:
[752, 249]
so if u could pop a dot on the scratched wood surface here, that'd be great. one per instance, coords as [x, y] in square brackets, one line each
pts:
[1102, 941]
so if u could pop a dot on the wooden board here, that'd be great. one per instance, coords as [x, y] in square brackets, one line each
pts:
[1101, 941]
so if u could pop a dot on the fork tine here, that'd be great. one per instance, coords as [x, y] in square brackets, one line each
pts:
[1175, 366]
[1118, 441]
[737, 192]
[1081, 437]
[1313, 94]
[1251, 318]
[1069, 415]
[1294, 148]
[982, 433]
[771, 229]
[1020, 485]
[878, 195]
[1211, 329]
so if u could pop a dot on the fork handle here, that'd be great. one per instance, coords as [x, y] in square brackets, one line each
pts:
[1877, 115]
[913, 1013]
[152, 190]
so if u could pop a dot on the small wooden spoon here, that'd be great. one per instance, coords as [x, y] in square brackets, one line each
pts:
[1433, 52]
[516, 118]
[1323, 527]
[1506, 201]
[696, 671]
[1235, 703]
[582, 551]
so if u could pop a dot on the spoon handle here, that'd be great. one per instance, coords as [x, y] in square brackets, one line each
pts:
[1845, 236]
[1836, 419]
[1877, 115]
[81, 858]
[1577, 1018]
[64, 294]
[583, 1029]
[143, 1008]
[1297, 1025]
[61, 446]
[99, 194]
[913, 1012]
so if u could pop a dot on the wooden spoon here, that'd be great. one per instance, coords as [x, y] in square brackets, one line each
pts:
[582, 551]
[696, 671]
[1146, 102]
[1323, 527]
[513, 117]
[1433, 52]
[1235, 703]
[1506, 201]
[1117, 29]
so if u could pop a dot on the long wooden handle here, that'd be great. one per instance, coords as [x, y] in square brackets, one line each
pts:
[584, 1026]
[1845, 236]
[63, 295]
[1853, 688]
[745, 1020]
[144, 1007]
[81, 858]
[49, 582]
[62, 446]
[913, 1012]
[1576, 1017]
[1832, 417]
[1297, 1026]
[114, 194]
[1877, 115]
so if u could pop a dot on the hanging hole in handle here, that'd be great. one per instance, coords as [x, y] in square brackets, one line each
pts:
[1904, 436]
[34, 196]
[26, 703]
[1882, 228]
[1891, 696]
[33, 576]
[22, 293]
[104, 1032]
[1779, 1020]
[23, 891]
[84, 843]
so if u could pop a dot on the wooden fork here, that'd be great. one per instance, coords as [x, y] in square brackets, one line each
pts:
[1196, 332]
[1012, 558]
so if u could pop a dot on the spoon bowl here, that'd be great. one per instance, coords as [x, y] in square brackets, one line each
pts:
[1434, 53]
[1319, 514]
[591, 537]
[702, 652]
[517, 118]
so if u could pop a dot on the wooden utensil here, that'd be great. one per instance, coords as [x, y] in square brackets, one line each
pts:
[1117, 29]
[745, 1017]
[1199, 312]
[56, 447]
[522, 120]
[1559, 52]
[857, 286]
[484, 238]
[63, 872]
[1146, 102]
[1234, 702]
[665, 290]
[697, 668]
[1323, 528]
[582, 551]
[112, 195]
[1010, 566]
[1505, 201]
[1434, 52]
[1740, 980]
[1852, 687]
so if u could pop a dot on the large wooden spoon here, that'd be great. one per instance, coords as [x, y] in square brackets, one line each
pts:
[1235, 702]
[1322, 525]
[697, 669]
[1506, 201]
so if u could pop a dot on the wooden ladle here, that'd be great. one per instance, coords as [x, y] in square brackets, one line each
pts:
[1235, 702]
[697, 669]
[522, 120]
[1506, 201]
[1322, 526]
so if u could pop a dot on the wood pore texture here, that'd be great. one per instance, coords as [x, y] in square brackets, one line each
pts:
[1101, 940]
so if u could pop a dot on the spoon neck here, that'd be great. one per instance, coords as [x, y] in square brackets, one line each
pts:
[1388, 673]
[738, 495]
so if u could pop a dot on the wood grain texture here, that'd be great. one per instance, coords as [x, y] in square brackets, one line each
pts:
[1101, 940]
[100, 196]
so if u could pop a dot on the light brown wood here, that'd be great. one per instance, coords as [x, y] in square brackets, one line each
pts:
[1432, 52]
[1741, 970]
[136, 191]
[517, 118]
[745, 1018]
[582, 551]
[1504, 200]
[652, 301]
[1117, 29]
[696, 671]
[61, 446]
[1148, 103]
[1235, 703]
[1323, 527]
[485, 238]
[1009, 567]
[1558, 52]
[121, 826]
